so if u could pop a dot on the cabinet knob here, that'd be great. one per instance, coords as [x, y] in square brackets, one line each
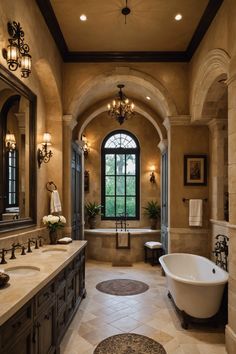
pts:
[16, 325]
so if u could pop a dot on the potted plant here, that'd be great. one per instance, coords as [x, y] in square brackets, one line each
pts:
[153, 211]
[92, 210]
[54, 223]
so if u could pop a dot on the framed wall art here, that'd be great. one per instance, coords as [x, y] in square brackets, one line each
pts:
[195, 170]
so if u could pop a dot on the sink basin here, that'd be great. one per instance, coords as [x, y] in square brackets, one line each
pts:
[55, 250]
[22, 270]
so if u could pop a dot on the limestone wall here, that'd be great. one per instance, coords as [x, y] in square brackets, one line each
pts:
[45, 81]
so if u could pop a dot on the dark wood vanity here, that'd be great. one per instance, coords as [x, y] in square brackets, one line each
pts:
[39, 326]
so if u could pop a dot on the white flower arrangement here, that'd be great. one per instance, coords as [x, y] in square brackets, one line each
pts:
[54, 222]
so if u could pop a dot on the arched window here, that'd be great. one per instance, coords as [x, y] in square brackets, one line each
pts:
[120, 176]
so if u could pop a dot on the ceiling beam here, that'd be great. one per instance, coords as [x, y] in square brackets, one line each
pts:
[135, 56]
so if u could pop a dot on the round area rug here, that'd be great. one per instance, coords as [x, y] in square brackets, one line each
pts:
[122, 287]
[129, 343]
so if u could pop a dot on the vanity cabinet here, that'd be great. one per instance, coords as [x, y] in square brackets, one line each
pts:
[39, 326]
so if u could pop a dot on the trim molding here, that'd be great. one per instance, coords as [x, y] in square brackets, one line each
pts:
[180, 230]
[138, 56]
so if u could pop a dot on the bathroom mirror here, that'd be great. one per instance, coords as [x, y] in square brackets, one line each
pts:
[17, 153]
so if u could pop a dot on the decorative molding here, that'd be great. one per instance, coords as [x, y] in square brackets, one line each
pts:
[138, 56]
[180, 120]
[163, 145]
[176, 121]
[217, 124]
[135, 56]
[177, 230]
[231, 226]
[69, 120]
[219, 222]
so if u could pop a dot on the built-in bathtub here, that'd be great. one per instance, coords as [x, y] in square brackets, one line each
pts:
[102, 244]
[195, 283]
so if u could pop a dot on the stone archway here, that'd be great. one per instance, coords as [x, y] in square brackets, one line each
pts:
[214, 67]
[106, 83]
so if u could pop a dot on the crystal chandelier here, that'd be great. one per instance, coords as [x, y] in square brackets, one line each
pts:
[121, 108]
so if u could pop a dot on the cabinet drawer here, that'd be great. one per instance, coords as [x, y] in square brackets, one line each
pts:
[16, 325]
[43, 296]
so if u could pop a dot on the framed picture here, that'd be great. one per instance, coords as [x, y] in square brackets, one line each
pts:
[195, 170]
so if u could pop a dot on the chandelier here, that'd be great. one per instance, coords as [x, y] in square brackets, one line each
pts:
[121, 107]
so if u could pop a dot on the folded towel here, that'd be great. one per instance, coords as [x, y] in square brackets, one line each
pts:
[64, 240]
[195, 212]
[55, 203]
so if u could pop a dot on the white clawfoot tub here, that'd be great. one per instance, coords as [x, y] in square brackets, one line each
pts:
[195, 283]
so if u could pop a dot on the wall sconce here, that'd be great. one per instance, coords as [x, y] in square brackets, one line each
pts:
[43, 154]
[152, 175]
[10, 141]
[17, 52]
[85, 146]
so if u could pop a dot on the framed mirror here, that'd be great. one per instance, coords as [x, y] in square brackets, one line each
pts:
[17, 153]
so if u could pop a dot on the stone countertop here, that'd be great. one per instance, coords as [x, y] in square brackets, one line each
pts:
[22, 287]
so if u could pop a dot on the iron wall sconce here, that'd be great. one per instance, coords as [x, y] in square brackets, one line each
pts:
[10, 141]
[85, 146]
[152, 175]
[17, 52]
[43, 154]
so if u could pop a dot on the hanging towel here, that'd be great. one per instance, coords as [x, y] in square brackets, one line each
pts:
[195, 212]
[55, 203]
[123, 239]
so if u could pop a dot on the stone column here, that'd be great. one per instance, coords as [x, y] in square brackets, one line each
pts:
[231, 326]
[69, 123]
[218, 133]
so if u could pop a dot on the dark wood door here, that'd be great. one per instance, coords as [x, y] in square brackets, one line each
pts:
[164, 202]
[76, 190]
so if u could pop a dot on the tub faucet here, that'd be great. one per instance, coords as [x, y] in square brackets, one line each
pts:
[221, 251]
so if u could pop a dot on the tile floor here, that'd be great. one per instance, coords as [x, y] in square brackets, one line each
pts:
[151, 314]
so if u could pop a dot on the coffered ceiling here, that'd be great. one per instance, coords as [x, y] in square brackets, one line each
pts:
[150, 33]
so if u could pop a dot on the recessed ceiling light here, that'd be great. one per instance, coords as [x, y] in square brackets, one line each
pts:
[178, 17]
[148, 98]
[83, 17]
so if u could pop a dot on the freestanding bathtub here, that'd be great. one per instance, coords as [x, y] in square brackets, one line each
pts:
[195, 283]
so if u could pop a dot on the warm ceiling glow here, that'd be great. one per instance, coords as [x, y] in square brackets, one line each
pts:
[178, 17]
[83, 17]
[148, 98]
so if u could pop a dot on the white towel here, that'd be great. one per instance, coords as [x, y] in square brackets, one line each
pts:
[123, 239]
[195, 212]
[55, 203]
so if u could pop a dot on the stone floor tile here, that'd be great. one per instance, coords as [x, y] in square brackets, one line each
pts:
[151, 313]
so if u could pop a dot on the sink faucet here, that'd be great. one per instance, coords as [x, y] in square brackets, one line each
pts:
[3, 252]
